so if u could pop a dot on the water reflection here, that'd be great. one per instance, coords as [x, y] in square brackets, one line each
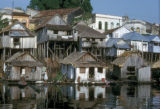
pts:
[79, 97]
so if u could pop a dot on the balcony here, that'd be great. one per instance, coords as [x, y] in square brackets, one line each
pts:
[56, 37]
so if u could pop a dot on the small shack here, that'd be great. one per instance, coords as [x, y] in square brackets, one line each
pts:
[23, 64]
[130, 65]
[83, 67]
[156, 71]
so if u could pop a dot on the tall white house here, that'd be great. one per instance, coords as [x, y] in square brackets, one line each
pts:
[102, 22]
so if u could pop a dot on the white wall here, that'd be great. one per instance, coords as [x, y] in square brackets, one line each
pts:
[106, 18]
[135, 26]
[120, 32]
[26, 42]
[99, 75]
[137, 45]
[84, 77]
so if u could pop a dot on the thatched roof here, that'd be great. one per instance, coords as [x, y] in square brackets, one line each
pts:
[15, 61]
[156, 65]
[26, 63]
[120, 61]
[74, 59]
[85, 31]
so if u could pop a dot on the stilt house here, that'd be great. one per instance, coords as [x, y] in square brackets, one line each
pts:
[90, 40]
[16, 37]
[131, 65]
[83, 67]
[55, 38]
[24, 65]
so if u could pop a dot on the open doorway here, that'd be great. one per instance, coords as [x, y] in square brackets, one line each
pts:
[91, 72]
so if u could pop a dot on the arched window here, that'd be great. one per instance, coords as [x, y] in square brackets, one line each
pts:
[118, 24]
[106, 26]
[138, 30]
[112, 25]
[132, 28]
[100, 25]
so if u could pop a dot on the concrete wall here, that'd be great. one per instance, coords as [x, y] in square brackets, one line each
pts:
[106, 18]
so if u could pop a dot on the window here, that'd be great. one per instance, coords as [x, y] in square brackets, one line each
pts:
[106, 26]
[16, 40]
[132, 28]
[138, 30]
[68, 32]
[101, 39]
[100, 25]
[82, 70]
[156, 44]
[131, 68]
[33, 69]
[112, 25]
[118, 24]
[6, 33]
[100, 69]
[55, 32]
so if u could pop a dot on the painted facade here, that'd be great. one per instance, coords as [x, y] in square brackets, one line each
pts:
[83, 67]
[104, 22]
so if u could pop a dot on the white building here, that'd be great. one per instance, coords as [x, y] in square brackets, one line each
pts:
[104, 22]
[117, 32]
[137, 41]
[83, 67]
[136, 25]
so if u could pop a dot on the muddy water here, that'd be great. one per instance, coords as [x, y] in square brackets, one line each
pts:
[79, 97]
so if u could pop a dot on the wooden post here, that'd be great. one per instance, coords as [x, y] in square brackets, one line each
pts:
[47, 48]
[4, 54]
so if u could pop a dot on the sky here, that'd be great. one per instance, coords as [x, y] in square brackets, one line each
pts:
[147, 10]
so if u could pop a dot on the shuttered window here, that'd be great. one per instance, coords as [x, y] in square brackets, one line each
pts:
[82, 70]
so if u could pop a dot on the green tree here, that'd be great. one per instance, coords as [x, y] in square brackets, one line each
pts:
[56, 4]
[3, 23]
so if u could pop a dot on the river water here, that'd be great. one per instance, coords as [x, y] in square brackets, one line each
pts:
[79, 97]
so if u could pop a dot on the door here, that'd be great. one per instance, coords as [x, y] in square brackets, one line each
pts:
[91, 72]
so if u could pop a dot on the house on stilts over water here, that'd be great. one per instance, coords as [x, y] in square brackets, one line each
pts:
[16, 37]
[24, 65]
[90, 40]
[83, 67]
[130, 65]
[156, 71]
[55, 38]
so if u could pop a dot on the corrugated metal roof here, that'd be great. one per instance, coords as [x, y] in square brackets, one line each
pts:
[19, 33]
[133, 36]
[118, 43]
[153, 38]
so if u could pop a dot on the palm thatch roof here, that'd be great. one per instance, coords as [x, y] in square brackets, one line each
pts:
[74, 59]
[120, 61]
[85, 31]
[15, 60]
[156, 65]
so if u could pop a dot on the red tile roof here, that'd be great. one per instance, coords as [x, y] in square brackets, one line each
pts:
[62, 12]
